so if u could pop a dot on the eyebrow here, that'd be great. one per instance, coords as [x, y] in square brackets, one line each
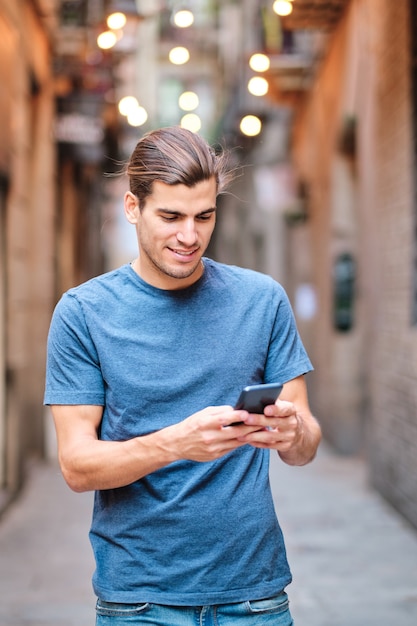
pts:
[180, 214]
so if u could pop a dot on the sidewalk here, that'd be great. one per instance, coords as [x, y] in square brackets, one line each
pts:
[45, 557]
[353, 558]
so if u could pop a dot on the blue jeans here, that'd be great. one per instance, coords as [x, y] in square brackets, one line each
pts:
[272, 612]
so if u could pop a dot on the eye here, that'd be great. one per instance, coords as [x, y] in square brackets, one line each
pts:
[205, 217]
[169, 218]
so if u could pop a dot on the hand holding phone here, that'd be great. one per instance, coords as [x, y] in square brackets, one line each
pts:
[255, 398]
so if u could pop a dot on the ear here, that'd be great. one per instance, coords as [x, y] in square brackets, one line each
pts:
[131, 205]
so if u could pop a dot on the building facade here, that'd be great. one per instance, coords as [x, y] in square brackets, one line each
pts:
[354, 151]
[57, 129]
[333, 216]
[27, 174]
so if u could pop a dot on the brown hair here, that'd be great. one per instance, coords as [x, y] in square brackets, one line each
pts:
[174, 156]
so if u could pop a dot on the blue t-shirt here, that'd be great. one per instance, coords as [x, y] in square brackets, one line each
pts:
[190, 533]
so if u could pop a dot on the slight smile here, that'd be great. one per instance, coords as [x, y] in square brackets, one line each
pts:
[184, 253]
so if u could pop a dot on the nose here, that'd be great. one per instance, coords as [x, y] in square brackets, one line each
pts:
[187, 235]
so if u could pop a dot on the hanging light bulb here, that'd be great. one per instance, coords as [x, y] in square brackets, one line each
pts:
[258, 86]
[259, 62]
[183, 18]
[191, 121]
[250, 125]
[127, 105]
[137, 117]
[188, 101]
[282, 7]
[107, 40]
[117, 20]
[179, 55]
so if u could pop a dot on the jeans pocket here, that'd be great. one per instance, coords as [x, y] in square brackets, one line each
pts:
[276, 605]
[116, 609]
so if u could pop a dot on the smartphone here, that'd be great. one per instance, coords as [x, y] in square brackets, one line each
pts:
[256, 397]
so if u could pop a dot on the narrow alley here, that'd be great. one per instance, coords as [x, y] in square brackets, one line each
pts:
[354, 559]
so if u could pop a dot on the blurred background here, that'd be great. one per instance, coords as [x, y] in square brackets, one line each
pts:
[317, 101]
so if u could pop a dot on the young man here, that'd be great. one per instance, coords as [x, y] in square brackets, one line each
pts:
[144, 366]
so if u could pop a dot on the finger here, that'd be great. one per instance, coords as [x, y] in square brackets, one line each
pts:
[266, 438]
[261, 421]
[233, 418]
[271, 435]
[282, 408]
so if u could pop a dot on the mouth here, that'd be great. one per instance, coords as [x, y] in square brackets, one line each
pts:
[185, 255]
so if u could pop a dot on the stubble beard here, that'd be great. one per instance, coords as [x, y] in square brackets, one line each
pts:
[165, 269]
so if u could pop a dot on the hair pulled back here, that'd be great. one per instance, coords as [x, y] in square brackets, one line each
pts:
[174, 156]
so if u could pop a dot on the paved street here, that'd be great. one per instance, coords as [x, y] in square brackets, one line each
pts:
[354, 559]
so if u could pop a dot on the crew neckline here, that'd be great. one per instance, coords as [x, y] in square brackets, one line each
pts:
[171, 292]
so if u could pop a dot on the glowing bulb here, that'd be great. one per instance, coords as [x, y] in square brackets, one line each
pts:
[250, 125]
[191, 121]
[183, 19]
[137, 117]
[106, 40]
[128, 104]
[282, 7]
[188, 101]
[179, 55]
[115, 21]
[258, 86]
[259, 62]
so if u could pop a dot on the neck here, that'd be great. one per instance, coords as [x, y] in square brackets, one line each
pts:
[167, 281]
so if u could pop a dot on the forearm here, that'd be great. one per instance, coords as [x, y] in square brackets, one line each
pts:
[88, 463]
[305, 446]
[95, 464]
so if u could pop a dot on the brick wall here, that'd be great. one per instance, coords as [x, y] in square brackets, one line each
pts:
[27, 271]
[394, 381]
[364, 389]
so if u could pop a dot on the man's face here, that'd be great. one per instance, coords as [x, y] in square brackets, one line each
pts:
[173, 229]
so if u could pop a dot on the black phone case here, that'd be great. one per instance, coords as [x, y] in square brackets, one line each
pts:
[256, 397]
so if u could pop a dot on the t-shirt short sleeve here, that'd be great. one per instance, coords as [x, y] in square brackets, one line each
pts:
[73, 368]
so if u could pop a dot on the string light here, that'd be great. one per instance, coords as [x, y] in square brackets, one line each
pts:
[258, 86]
[107, 40]
[259, 62]
[191, 121]
[282, 7]
[117, 20]
[184, 18]
[137, 117]
[135, 114]
[179, 55]
[250, 125]
[127, 104]
[188, 101]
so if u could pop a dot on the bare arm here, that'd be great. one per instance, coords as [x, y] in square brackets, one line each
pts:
[88, 463]
[294, 432]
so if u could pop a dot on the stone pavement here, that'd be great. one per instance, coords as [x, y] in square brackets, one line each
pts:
[45, 558]
[354, 560]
